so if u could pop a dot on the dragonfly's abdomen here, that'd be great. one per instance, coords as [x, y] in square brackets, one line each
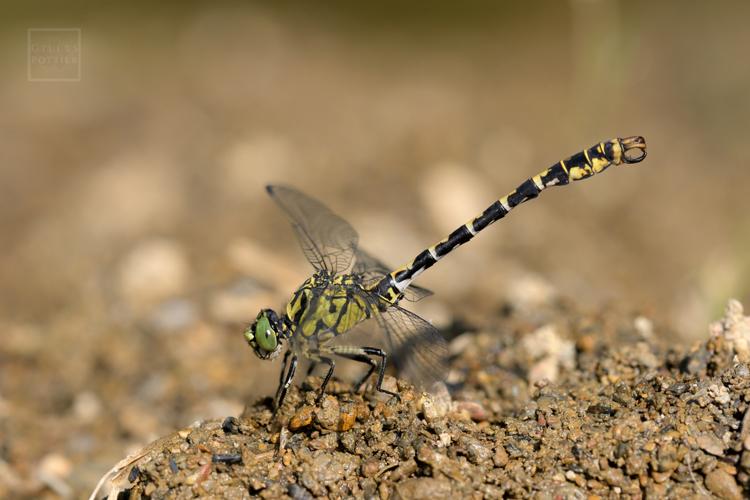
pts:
[324, 308]
[579, 166]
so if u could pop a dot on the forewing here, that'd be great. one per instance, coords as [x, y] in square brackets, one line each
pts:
[416, 347]
[373, 270]
[327, 240]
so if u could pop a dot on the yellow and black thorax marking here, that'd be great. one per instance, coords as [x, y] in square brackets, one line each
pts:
[326, 306]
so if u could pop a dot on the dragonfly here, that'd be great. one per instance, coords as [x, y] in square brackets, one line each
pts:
[350, 286]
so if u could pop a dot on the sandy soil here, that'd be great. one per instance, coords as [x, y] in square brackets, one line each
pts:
[581, 407]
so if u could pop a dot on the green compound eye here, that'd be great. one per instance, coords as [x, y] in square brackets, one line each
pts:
[264, 335]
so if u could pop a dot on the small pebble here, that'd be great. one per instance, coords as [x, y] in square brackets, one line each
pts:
[226, 458]
[720, 393]
[230, 425]
[445, 439]
[476, 451]
[501, 456]
[711, 444]
[404, 470]
[644, 327]
[297, 492]
[325, 442]
[53, 469]
[302, 418]
[347, 418]
[327, 414]
[660, 477]
[476, 411]
[370, 467]
[425, 488]
[723, 485]
[436, 404]
[390, 384]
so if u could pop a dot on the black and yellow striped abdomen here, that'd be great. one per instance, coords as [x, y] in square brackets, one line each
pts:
[579, 166]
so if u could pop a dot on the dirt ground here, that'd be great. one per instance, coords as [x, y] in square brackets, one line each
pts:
[579, 407]
[137, 243]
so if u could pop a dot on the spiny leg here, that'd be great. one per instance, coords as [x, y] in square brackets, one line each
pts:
[285, 381]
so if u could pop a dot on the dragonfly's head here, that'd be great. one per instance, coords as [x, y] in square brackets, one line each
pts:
[264, 335]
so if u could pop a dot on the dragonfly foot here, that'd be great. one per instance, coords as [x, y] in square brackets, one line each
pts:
[393, 395]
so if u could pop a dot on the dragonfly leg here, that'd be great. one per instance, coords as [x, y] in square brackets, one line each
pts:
[311, 368]
[283, 369]
[282, 375]
[285, 381]
[363, 355]
[331, 365]
[374, 351]
[362, 358]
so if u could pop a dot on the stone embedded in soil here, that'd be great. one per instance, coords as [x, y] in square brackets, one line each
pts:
[325, 469]
[370, 467]
[432, 407]
[424, 488]
[327, 414]
[711, 444]
[324, 442]
[473, 410]
[734, 329]
[347, 417]
[550, 352]
[475, 451]
[302, 418]
[720, 393]
[723, 485]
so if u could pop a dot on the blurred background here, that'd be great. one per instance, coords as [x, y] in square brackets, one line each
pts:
[136, 239]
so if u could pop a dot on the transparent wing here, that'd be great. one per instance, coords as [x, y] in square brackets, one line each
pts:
[327, 240]
[373, 270]
[417, 349]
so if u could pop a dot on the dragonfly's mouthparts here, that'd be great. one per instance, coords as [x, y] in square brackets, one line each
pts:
[633, 149]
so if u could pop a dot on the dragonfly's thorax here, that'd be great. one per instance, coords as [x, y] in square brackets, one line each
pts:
[325, 306]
